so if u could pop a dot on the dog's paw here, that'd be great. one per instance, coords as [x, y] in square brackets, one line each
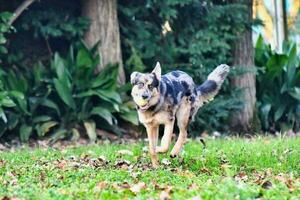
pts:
[173, 155]
[161, 149]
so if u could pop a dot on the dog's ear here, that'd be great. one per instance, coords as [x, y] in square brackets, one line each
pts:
[157, 71]
[133, 77]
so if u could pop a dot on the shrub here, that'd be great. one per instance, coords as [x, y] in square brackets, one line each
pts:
[65, 97]
[278, 86]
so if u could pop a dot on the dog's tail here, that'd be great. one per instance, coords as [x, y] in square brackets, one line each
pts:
[209, 89]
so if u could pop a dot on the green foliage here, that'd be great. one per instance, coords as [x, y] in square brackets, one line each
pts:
[278, 86]
[54, 19]
[66, 96]
[4, 29]
[200, 37]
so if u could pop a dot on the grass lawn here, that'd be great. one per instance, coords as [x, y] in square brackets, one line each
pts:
[261, 168]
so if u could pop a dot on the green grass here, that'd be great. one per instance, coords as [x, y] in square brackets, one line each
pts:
[226, 169]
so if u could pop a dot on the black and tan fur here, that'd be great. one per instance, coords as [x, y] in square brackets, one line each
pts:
[169, 97]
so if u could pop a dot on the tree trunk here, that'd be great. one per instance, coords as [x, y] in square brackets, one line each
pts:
[104, 28]
[243, 61]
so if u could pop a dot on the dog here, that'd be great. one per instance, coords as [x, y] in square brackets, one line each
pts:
[162, 99]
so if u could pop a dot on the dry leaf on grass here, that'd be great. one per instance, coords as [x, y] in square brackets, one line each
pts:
[267, 185]
[136, 188]
[125, 152]
[165, 161]
[241, 176]
[166, 193]
[193, 186]
[120, 187]
[205, 170]
[101, 185]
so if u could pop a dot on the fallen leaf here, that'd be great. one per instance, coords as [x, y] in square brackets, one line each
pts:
[241, 176]
[266, 185]
[123, 164]
[122, 186]
[125, 152]
[289, 184]
[2, 163]
[165, 161]
[193, 186]
[280, 178]
[101, 185]
[165, 195]
[106, 135]
[61, 164]
[136, 188]
[205, 170]
[135, 174]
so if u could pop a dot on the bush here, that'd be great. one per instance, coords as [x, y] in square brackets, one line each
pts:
[64, 97]
[278, 81]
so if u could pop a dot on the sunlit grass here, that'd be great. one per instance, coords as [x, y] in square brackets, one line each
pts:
[225, 169]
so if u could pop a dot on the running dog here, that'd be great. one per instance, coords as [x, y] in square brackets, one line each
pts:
[161, 99]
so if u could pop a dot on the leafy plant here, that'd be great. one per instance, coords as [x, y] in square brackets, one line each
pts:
[4, 28]
[278, 85]
[67, 97]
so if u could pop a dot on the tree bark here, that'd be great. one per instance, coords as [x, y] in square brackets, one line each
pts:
[19, 10]
[104, 28]
[243, 61]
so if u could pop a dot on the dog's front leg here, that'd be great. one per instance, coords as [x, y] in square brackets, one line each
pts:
[152, 132]
[167, 137]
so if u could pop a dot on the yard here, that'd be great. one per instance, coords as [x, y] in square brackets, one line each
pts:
[232, 168]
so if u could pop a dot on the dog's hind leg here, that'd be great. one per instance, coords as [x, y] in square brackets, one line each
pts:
[152, 132]
[182, 116]
[167, 137]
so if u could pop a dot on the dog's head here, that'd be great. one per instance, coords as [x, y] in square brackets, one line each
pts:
[145, 90]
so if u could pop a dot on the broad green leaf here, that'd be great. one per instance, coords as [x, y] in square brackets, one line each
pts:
[84, 58]
[25, 132]
[59, 66]
[75, 134]
[13, 120]
[2, 129]
[130, 116]
[2, 115]
[7, 102]
[17, 94]
[42, 118]
[50, 104]
[279, 112]
[64, 93]
[296, 93]
[103, 113]
[265, 110]
[45, 127]
[275, 65]
[59, 134]
[110, 95]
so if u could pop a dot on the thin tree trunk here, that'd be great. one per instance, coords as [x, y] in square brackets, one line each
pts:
[243, 60]
[104, 28]
[23, 6]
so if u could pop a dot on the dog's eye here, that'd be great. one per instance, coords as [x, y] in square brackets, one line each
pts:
[150, 87]
[140, 85]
